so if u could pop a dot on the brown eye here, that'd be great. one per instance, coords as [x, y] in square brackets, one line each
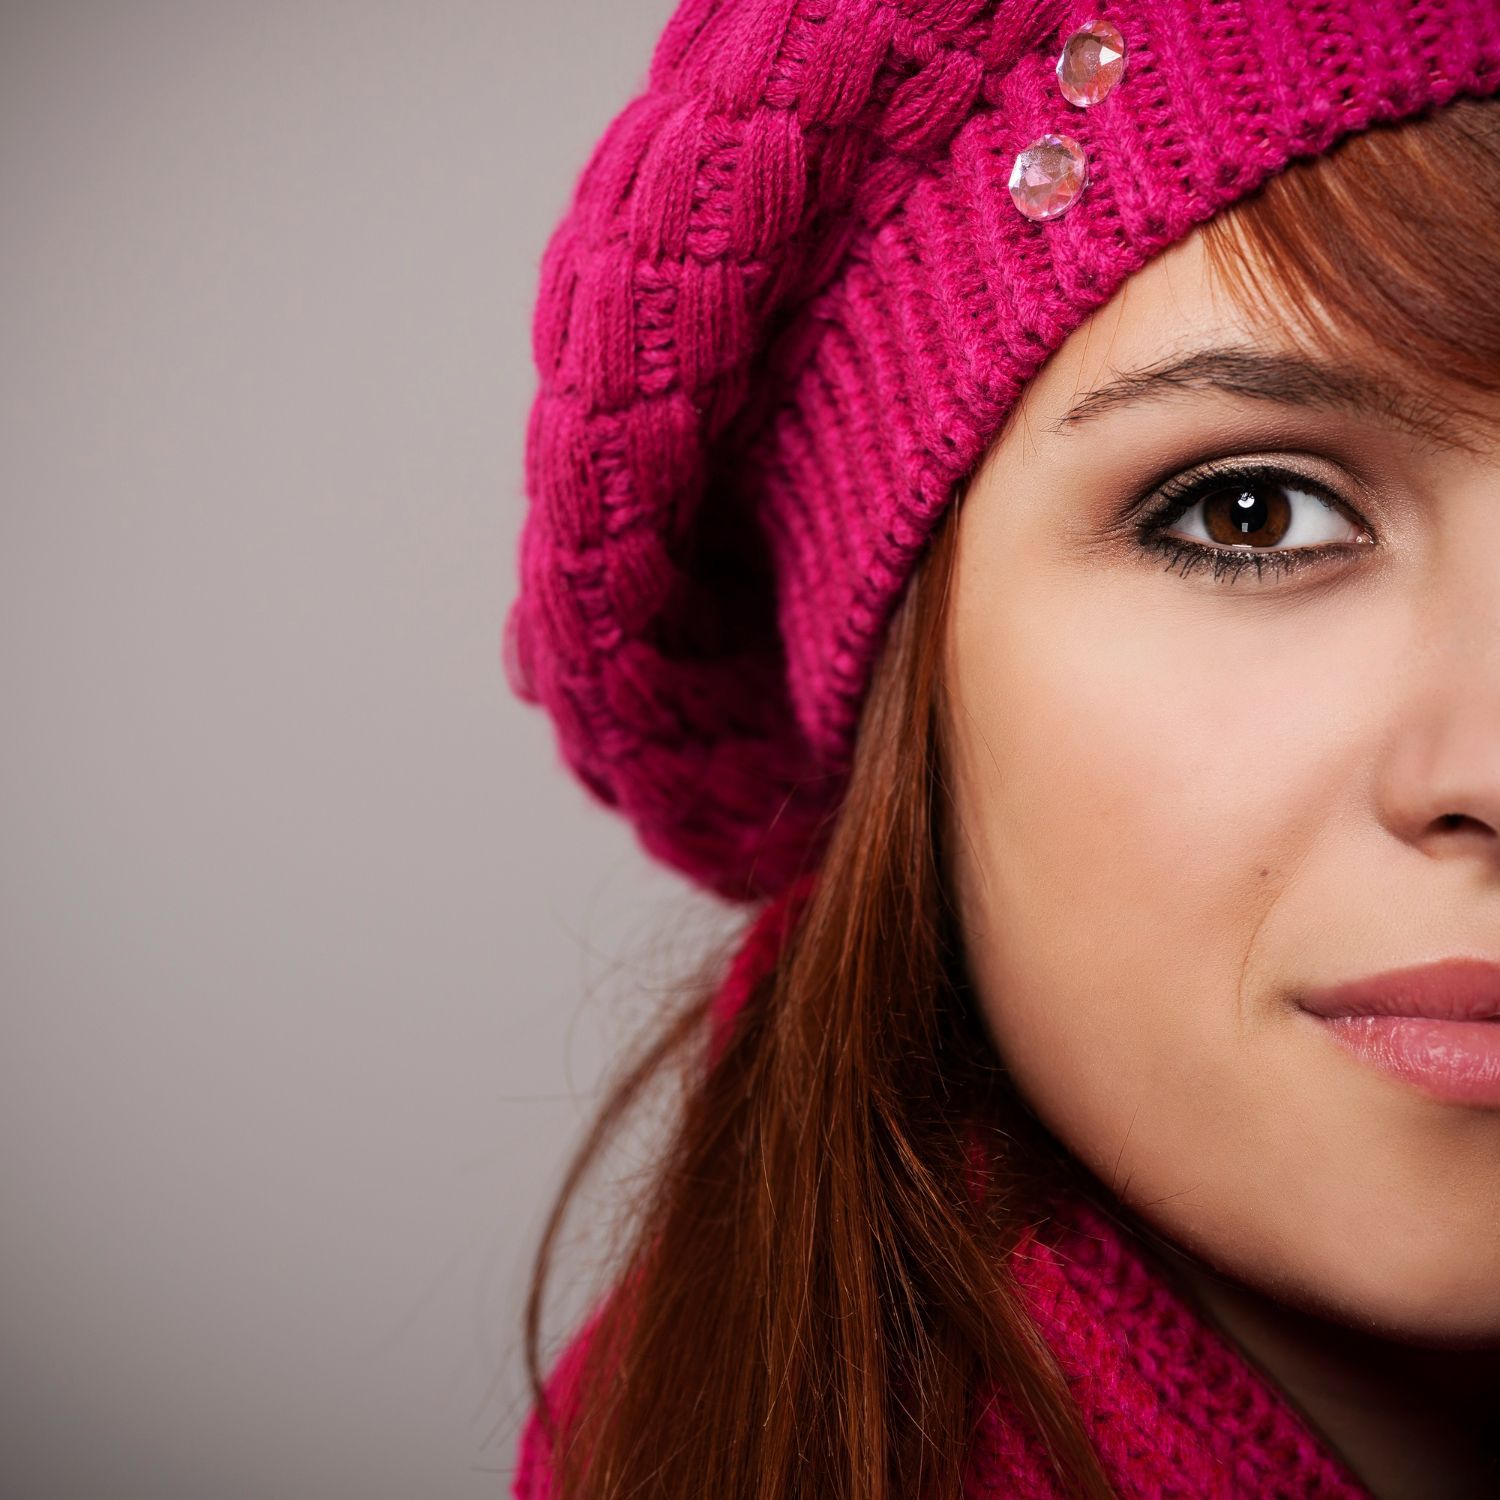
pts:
[1237, 515]
[1256, 513]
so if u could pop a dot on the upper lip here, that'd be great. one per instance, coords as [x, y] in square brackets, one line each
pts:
[1453, 989]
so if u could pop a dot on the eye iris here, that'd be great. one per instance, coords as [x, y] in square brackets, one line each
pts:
[1241, 516]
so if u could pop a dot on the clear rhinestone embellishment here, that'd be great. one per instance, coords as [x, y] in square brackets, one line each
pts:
[1047, 176]
[1092, 62]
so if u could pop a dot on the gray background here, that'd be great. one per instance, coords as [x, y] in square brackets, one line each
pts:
[311, 951]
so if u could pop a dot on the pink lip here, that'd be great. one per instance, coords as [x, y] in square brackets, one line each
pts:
[1455, 989]
[1435, 1025]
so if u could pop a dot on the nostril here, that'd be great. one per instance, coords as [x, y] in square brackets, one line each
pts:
[1459, 820]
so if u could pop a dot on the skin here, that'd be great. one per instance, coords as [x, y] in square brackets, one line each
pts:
[1178, 801]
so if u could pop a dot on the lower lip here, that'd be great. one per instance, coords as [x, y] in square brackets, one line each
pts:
[1455, 1061]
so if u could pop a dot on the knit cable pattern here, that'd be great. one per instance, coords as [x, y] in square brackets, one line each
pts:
[790, 304]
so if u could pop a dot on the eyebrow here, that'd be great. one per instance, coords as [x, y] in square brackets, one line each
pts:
[1285, 378]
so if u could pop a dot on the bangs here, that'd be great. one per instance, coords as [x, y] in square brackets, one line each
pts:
[1387, 246]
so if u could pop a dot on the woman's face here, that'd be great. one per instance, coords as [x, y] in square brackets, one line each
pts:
[1184, 799]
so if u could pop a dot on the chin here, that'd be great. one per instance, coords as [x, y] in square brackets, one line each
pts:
[1412, 1277]
[1456, 1311]
[1403, 1289]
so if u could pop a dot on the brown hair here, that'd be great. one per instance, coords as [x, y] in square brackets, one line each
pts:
[816, 1289]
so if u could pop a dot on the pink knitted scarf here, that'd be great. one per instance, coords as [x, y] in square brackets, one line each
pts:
[1173, 1408]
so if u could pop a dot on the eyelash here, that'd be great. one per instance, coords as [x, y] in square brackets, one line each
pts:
[1178, 496]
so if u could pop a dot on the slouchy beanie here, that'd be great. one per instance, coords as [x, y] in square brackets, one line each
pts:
[801, 281]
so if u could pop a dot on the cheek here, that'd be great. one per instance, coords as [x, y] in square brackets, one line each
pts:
[1157, 822]
[1132, 802]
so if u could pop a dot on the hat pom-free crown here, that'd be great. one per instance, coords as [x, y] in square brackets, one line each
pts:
[789, 305]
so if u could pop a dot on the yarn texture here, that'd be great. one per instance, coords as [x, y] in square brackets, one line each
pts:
[791, 303]
[1174, 1410]
[1172, 1407]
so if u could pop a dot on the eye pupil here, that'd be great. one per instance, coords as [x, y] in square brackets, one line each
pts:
[1249, 518]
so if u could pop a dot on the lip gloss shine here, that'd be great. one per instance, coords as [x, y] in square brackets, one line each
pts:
[1458, 1061]
[1437, 1026]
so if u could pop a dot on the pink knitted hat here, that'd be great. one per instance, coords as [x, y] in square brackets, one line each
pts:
[803, 279]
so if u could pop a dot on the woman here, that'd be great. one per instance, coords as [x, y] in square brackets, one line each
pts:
[1013, 503]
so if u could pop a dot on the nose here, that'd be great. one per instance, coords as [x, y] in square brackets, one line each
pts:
[1441, 779]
